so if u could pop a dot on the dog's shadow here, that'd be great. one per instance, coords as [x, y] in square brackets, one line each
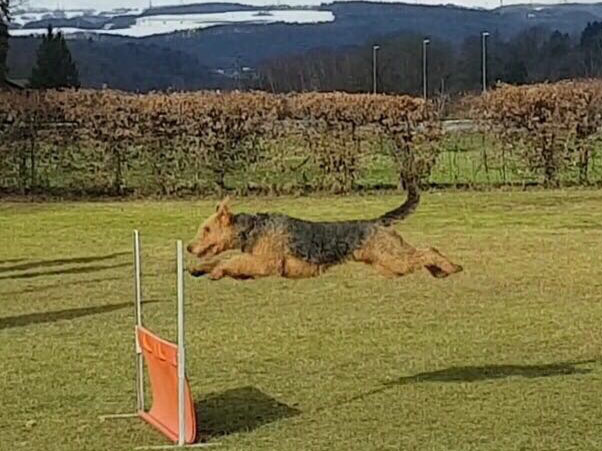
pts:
[475, 374]
[238, 410]
[487, 372]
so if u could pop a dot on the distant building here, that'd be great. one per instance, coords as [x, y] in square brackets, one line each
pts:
[243, 73]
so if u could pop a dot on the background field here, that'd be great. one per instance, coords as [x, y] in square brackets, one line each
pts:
[504, 356]
[465, 161]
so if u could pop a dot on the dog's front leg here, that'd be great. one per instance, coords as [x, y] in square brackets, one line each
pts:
[205, 266]
[202, 268]
[248, 266]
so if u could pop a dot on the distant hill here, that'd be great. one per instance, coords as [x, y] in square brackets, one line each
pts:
[123, 64]
[228, 46]
[200, 8]
[83, 22]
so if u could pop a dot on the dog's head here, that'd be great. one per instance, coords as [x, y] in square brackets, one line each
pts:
[217, 234]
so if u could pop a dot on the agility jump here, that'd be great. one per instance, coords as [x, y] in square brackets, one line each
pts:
[172, 411]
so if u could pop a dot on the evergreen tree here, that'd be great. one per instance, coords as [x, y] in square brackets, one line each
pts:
[4, 18]
[55, 67]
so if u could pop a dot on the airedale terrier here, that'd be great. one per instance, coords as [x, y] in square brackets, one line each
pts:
[279, 245]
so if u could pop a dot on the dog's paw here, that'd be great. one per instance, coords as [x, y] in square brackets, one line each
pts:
[195, 271]
[437, 272]
[216, 274]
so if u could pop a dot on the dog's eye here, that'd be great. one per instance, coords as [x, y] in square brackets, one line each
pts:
[206, 229]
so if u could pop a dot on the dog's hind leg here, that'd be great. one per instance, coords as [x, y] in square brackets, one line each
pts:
[436, 263]
[399, 266]
[248, 266]
[389, 253]
[390, 261]
[383, 270]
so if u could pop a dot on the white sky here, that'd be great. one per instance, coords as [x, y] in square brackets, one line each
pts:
[111, 4]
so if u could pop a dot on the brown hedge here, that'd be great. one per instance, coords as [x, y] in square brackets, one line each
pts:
[196, 141]
[547, 126]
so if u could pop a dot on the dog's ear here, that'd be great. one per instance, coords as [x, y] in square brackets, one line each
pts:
[224, 204]
[223, 211]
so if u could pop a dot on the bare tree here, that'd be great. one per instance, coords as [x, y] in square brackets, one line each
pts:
[8, 6]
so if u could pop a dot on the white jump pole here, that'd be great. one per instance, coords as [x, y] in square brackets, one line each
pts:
[138, 350]
[138, 301]
[181, 351]
[181, 347]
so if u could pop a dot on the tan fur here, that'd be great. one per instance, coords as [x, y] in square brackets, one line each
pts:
[248, 266]
[295, 268]
[391, 255]
[385, 250]
[216, 234]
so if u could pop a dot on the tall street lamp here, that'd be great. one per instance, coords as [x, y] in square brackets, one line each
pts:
[484, 36]
[374, 49]
[425, 43]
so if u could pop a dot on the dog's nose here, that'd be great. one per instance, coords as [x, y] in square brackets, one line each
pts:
[189, 248]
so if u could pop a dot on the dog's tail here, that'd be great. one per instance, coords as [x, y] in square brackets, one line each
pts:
[404, 210]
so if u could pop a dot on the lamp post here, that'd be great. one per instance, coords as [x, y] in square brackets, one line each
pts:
[484, 36]
[425, 43]
[374, 50]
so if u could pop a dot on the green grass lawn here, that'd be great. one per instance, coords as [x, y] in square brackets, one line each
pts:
[504, 356]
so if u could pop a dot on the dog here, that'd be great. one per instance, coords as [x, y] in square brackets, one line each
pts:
[279, 245]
